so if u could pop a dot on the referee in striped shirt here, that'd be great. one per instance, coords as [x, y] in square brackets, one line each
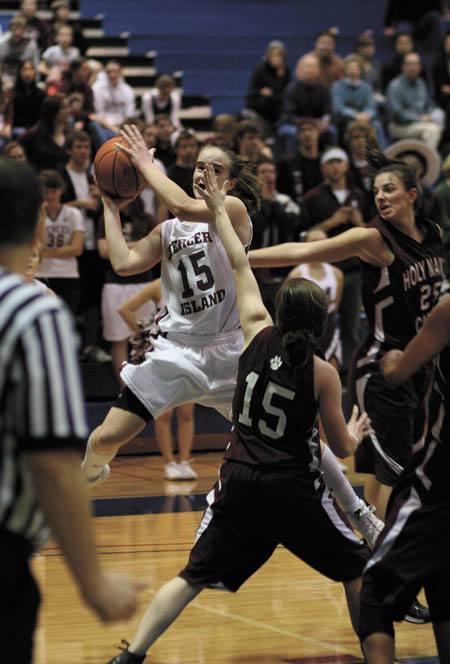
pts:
[42, 433]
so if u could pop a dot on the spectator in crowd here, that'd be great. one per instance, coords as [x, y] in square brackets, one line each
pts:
[412, 112]
[37, 30]
[64, 242]
[182, 171]
[114, 100]
[173, 470]
[153, 205]
[302, 172]
[15, 151]
[403, 44]
[60, 56]
[423, 17]
[276, 221]
[76, 79]
[425, 163]
[249, 141]
[224, 131]
[441, 80]
[164, 140]
[27, 99]
[334, 207]
[136, 224]
[305, 98]
[353, 99]
[357, 138]
[163, 98]
[61, 16]
[6, 115]
[44, 143]
[331, 65]
[267, 85]
[442, 193]
[15, 48]
[371, 67]
[81, 193]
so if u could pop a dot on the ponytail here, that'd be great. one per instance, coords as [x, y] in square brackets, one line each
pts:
[300, 346]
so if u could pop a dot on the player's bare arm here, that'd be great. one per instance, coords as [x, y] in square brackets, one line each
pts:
[126, 261]
[182, 206]
[397, 366]
[252, 312]
[366, 243]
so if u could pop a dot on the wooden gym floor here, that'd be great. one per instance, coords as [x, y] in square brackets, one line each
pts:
[286, 613]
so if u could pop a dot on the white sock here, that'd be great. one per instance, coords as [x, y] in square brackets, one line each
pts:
[93, 462]
[336, 481]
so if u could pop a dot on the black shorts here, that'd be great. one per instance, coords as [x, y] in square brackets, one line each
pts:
[250, 511]
[128, 401]
[412, 554]
[393, 412]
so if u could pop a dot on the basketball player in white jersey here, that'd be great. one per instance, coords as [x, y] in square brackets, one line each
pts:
[331, 280]
[195, 354]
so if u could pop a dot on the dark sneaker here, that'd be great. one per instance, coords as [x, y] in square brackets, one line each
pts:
[127, 657]
[418, 614]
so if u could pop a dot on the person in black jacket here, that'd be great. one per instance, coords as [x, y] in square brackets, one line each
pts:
[268, 83]
[44, 142]
[27, 98]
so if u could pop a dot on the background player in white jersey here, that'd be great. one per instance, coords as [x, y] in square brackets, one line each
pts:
[194, 358]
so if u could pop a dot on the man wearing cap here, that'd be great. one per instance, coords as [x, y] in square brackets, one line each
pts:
[334, 207]
[412, 112]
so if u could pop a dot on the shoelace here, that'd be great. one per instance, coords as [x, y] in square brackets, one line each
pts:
[123, 643]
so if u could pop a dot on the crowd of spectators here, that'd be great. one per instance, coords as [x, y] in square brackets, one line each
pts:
[305, 130]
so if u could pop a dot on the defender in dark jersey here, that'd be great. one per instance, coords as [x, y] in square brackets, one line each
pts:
[401, 260]
[413, 550]
[271, 480]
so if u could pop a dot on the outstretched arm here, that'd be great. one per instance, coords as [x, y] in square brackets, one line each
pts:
[366, 243]
[183, 206]
[253, 314]
[398, 366]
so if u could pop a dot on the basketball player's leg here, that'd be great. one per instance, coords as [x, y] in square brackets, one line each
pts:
[352, 595]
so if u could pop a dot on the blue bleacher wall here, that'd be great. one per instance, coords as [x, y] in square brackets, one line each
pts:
[218, 43]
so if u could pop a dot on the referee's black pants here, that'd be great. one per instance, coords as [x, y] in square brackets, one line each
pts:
[19, 600]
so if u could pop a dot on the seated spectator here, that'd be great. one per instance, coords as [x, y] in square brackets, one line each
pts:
[352, 99]
[64, 242]
[334, 207]
[371, 67]
[45, 142]
[412, 112]
[423, 17]
[267, 84]
[136, 224]
[76, 79]
[224, 131]
[442, 193]
[441, 80]
[357, 138]
[60, 56]
[249, 141]
[276, 221]
[114, 100]
[26, 100]
[163, 98]
[403, 44]
[61, 17]
[164, 140]
[6, 115]
[305, 98]
[425, 163]
[331, 65]
[302, 172]
[37, 30]
[14, 150]
[182, 171]
[153, 205]
[15, 48]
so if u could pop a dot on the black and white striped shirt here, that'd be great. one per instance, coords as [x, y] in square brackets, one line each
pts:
[41, 403]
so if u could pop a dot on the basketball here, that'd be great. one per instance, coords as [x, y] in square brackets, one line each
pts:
[115, 173]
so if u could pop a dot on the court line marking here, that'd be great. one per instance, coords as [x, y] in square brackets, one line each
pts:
[269, 628]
